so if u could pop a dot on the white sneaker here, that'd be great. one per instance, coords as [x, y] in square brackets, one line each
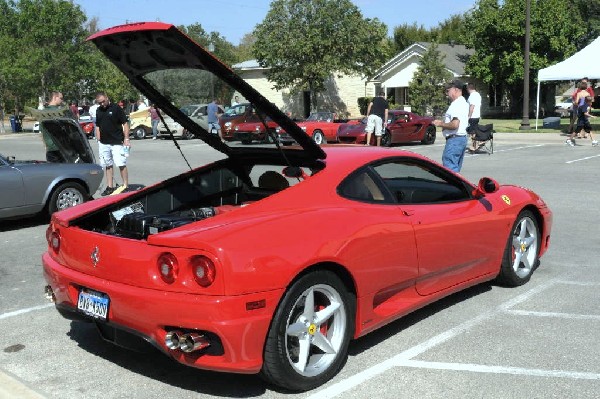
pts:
[594, 143]
[570, 142]
[153, 138]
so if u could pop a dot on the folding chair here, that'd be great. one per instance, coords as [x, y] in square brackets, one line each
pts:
[483, 138]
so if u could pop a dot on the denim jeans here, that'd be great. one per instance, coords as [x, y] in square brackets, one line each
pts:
[454, 153]
[155, 127]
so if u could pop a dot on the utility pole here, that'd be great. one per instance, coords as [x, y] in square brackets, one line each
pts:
[525, 121]
[211, 48]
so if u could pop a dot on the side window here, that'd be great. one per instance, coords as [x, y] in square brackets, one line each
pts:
[271, 177]
[360, 186]
[416, 183]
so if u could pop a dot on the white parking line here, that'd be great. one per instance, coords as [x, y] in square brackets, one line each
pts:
[403, 357]
[583, 159]
[480, 368]
[554, 314]
[23, 311]
[506, 150]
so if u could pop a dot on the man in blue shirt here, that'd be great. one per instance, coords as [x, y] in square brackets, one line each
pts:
[212, 117]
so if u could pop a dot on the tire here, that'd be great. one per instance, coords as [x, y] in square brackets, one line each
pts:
[318, 137]
[521, 256]
[139, 133]
[429, 137]
[269, 137]
[331, 327]
[386, 139]
[187, 135]
[65, 196]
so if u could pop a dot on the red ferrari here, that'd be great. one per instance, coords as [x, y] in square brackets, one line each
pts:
[403, 127]
[261, 131]
[272, 260]
[323, 126]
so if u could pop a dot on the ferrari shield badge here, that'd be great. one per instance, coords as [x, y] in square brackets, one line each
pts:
[506, 199]
[95, 256]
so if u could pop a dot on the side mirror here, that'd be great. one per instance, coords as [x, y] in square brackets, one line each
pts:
[487, 185]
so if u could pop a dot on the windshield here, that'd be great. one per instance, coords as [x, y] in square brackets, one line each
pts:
[188, 109]
[320, 116]
[188, 90]
[239, 109]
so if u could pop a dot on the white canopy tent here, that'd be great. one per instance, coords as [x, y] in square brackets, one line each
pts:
[583, 63]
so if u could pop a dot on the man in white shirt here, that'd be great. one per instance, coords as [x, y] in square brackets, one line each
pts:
[474, 112]
[454, 127]
[92, 112]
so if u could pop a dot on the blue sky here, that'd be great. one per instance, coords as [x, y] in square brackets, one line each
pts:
[234, 18]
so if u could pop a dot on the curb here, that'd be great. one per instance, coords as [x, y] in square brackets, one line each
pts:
[11, 388]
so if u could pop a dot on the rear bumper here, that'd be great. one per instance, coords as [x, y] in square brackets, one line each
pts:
[149, 314]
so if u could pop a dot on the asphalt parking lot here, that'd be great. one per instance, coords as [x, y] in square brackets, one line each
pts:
[536, 341]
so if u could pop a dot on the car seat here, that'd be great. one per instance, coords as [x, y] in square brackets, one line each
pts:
[271, 180]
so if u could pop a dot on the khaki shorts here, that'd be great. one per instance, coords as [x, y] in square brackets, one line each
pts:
[111, 155]
[374, 124]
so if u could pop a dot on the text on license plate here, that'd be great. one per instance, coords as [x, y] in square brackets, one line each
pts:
[93, 303]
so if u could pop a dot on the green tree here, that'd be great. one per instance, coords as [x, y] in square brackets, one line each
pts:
[496, 31]
[590, 17]
[245, 50]
[452, 30]
[43, 46]
[426, 88]
[302, 43]
[405, 35]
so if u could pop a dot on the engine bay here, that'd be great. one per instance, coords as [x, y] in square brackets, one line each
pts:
[132, 222]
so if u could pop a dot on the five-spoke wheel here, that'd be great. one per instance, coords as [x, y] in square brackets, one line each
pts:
[429, 137]
[521, 256]
[308, 340]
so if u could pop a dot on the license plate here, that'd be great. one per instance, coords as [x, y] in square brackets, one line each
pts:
[93, 303]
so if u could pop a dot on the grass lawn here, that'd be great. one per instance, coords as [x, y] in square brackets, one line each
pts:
[512, 125]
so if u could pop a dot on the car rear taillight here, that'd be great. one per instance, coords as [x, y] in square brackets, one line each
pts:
[168, 267]
[203, 269]
[53, 238]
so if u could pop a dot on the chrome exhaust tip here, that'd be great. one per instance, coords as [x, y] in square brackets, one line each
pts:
[172, 339]
[49, 294]
[193, 342]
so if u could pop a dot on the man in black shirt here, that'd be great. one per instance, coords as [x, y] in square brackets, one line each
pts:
[377, 115]
[112, 132]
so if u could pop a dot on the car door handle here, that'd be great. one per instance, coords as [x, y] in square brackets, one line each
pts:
[408, 212]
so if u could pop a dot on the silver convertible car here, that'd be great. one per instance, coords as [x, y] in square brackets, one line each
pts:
[30, 187]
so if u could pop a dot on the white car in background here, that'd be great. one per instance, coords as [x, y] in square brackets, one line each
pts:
[564, 107]
[140, 125]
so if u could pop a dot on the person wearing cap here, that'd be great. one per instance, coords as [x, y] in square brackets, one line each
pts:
[454, 127]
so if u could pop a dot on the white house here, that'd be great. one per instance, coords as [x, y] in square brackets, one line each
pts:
[395, 75]
[343, 91]
[341, 94]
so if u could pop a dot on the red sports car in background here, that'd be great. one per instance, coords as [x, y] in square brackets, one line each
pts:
[323, 126]
[247, 132]
[271, 260]
[240, 113]
[403, 127]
